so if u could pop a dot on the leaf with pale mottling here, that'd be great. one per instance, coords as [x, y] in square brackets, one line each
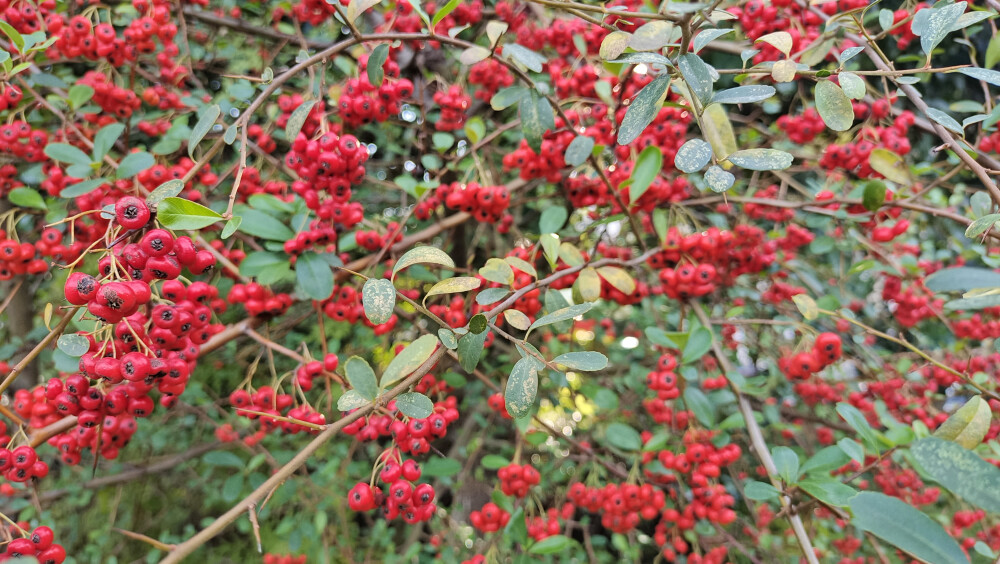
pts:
[378, 296]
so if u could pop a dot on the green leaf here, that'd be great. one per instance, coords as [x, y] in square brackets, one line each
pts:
[760, 491]
[491, 296]
[478, 323]
[522, 265]
[643, 109]
[453, 285]
[105, 139]
[993, 52]
[857, 421]
[523, 56]
[982, 225]
[378, 296]
[314, 276]
[351, 400]
[66, 153]
[852, 449]
[623, 437]
[230, 135]
[522, 388]
[719, 179]
[587, 361]
[853, 85]
[361, 377]
[178, 213]
[705, 37]
[693, 155]
[889, 165]
[697, 346]
[298, 119]
[587, 287]
[231, 226]
[961, 471]
[26, 197]
[536, 119]
[698, 76]
[82, 187]
[902, 526]
[761, 159]
[699, 404]
[579, 150]
[962, 279]
[470, 348]
[968, 425]
[617, 277]
[415, 354]
[134, 163]
[168, 189]
[497, 270]
[260, 224]
[506, 97]
[441, 467]
[422, 255]
[551, 545]
[223, 458]
[494, 462]
[206, 121]
[827, 459]
[934, 24]
[12, 34]
[945, 120]
[828, 490]
[874, 195]
[744, 94]
[553, 219]
[647, 168]
[517, 319]
[73, 345]
[834, 106]
[563, 314]
[376, 74]
[415, 405]
[448, 338]
[357, 7]
[787, 463]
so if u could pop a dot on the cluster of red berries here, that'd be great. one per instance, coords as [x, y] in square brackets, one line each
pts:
[38, 544]
[490, 518]
[453, 104]
[990, 143]
[744, 250]
[284, 558]
[688, 281]
[802, 128]
[19, 258]
[362, 102]
[22, 464]
[319, 236]
[266, 400]
[327, 168]
[10, 97]
[308, 372]
[490, 75]
[904, 33]
[663, 380]
[18, 139]
[345, 305]
[912, 303]
[621, 506]
[764, 211]
[854, 156]
[111, 98]
[412, 436]
[414, 503]
[516, 479]
[544, 526]
[104, 420]
[487, 204]
[259, 300]
[548, 163]
[825, 351]
[372, 240]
